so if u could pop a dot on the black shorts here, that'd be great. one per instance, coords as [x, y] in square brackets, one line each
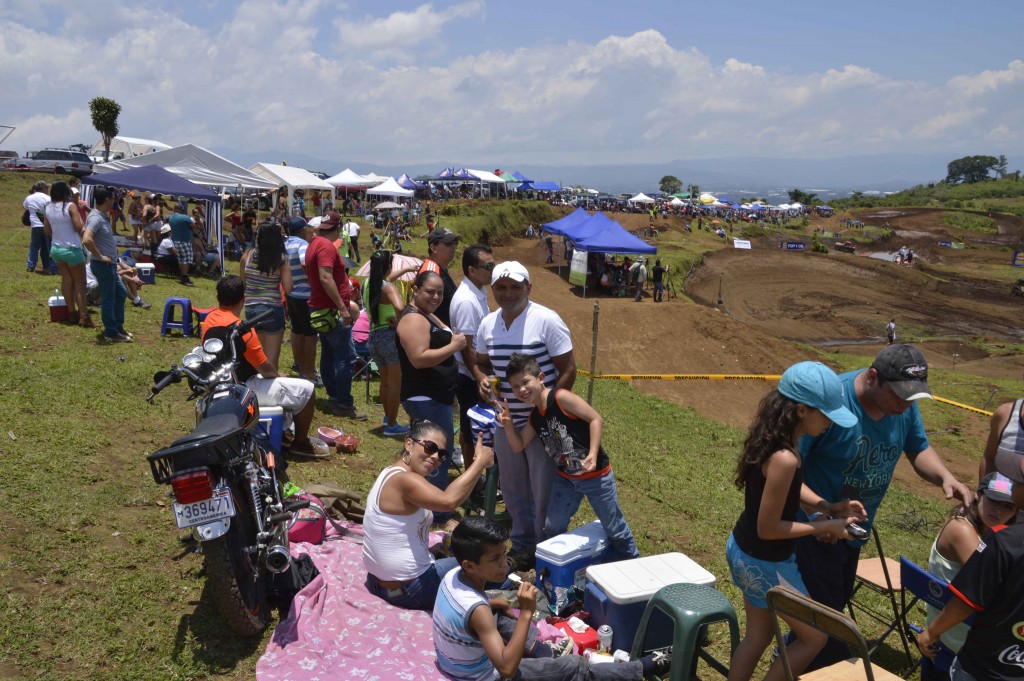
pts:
[298, 313]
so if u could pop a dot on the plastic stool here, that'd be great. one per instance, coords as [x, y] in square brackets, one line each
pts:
[184, 323]
[692, 607]
[200, 313]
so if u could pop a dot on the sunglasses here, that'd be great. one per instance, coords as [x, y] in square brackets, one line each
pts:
[489, 266]
[431, 448]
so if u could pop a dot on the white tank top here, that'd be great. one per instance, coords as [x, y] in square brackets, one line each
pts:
[64, 233]
[946, 569]
[394, 546]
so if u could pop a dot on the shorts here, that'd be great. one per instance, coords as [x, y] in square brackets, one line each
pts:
[184, 249]
[383, 345]
[298, 312]
[69, 255]
[291, 394]
[754, 577]
[153, 227]
[272, 324]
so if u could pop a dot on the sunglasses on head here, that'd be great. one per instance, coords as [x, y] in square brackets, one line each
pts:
[431, 448]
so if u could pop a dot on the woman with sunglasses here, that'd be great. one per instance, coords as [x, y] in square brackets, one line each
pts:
[400, 567]
[426, 353]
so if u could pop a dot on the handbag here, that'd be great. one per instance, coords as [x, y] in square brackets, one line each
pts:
[26, 219]
[324, 320]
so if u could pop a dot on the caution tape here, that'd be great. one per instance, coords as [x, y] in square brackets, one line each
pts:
[739, 377]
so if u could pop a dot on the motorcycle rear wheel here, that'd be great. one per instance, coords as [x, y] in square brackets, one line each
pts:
[238, 583]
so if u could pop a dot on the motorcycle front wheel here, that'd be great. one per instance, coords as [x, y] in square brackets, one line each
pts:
[238, 583]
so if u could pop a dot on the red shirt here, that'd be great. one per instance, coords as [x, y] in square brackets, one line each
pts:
[322, 253]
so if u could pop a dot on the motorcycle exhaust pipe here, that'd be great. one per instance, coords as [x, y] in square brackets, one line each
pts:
[278, 559]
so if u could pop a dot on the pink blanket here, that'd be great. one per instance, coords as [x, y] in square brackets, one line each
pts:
[336, 630]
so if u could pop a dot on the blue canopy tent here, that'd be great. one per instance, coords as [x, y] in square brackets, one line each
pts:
[407, 182]
[561, 224]
[547, 187]
[614, 239]
[155, 179]
[519, 176]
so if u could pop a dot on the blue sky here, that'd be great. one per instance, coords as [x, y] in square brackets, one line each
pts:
[497, 83]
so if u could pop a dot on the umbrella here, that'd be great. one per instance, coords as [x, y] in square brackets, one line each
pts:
[388, 204]
[398, 262]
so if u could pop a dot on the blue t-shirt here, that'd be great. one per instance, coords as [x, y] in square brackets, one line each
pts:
[858, 463]
[181, 227]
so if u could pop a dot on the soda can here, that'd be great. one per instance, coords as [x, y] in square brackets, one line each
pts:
[604, 638]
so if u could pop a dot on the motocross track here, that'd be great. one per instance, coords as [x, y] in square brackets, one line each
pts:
[774, 299]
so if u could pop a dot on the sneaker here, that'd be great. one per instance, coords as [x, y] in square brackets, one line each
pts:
[318, 382]
[562, 648]
[185, 281]
[130, 335]
[348, 412]
[142, 303]
[658, 663]
[396, 430]
[119, 338]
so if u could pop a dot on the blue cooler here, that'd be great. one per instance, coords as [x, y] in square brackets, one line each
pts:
[562, 563]
[272, 423]
[617, 594]
[147, 272]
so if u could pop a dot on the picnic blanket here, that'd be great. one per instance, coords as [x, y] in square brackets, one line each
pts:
[336, 630]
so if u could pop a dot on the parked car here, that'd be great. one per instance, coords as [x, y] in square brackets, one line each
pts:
[61, 161]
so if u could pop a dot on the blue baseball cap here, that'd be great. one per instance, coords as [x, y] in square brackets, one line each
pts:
[815, 385]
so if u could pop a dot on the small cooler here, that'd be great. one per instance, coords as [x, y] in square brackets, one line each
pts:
[147, 272]
[617, 594]
[562, 562]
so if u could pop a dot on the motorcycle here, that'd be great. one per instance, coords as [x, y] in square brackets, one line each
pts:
[224, 482]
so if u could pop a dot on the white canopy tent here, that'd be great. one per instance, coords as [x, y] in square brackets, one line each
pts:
[390, 188]
[127, 147]
[290, 177]
[375, 178]
[195, 164]
[641, 198]
[490, 178]
[350, 178]
[677, 202]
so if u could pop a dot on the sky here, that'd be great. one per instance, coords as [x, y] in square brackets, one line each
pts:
[492, 84]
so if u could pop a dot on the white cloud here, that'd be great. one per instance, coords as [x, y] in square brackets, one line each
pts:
[310, 76]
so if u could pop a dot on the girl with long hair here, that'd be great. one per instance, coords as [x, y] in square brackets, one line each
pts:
[760, 550]
[63, 225]
[383, 306]
[265, 271]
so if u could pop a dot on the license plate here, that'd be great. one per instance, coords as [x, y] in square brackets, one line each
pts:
[217, 507]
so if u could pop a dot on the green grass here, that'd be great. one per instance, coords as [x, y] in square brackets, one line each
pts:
[970, 222]
[94, 579]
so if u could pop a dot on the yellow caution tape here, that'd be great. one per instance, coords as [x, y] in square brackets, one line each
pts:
[739, 377]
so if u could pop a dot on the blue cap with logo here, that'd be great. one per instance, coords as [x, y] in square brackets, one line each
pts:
[815, 385]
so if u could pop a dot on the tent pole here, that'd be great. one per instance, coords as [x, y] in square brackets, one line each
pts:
[593, 352]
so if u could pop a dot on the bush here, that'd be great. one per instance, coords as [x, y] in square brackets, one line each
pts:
[817, 246]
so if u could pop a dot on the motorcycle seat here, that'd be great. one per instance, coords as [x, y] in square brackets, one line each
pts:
[210, 430]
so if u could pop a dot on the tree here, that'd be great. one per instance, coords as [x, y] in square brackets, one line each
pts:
[970, 169]
[1001, 166]
[694, 190]
[800, 196]
[670, 184]
[104, 118]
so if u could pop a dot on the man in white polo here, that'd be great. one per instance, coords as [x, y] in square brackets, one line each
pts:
[524, 327]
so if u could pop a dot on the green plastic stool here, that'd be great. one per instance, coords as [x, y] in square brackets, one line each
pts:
[692, 607]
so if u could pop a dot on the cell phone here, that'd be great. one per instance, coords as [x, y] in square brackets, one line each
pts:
[856, 531]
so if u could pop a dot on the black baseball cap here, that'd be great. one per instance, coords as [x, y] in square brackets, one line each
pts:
[905, 369]
[442, 235]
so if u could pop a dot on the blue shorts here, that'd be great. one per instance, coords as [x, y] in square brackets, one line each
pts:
[272, 324]
[754, 576]
[70, 255]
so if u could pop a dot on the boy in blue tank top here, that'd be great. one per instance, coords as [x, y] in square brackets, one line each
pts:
[571, 432]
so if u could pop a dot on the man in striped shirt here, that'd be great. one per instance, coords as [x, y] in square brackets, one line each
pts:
[524, 327]
[303, 336]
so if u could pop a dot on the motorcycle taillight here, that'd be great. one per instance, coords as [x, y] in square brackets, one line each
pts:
[192, 486]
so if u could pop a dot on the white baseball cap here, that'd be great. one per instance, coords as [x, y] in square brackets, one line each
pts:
[511, 269]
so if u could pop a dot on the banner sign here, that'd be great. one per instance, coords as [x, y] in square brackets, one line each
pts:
[578, 268]
[794, 245]
[741, 243]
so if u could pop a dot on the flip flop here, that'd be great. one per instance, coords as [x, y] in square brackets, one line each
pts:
[311, 449]
[329, 435]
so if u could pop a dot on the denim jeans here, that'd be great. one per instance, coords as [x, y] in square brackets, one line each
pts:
[337, 354]
[566, 496]
[420, 593]
[526, 479]
[957, 673]
[39, 249]
[576, 668]
[441, 414]
[112, 296]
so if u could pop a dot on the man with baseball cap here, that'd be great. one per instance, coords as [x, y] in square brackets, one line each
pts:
[441, 245]
[330, 290]
[524, 327]
[858, 463]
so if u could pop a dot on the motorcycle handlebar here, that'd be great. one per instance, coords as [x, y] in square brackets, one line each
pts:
[173, 376]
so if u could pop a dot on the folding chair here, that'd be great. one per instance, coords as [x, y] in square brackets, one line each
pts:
[929, 589]
[365, 368]
[882, 576]
[783, 601]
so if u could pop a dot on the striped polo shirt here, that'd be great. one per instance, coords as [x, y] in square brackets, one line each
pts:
[296, 249]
